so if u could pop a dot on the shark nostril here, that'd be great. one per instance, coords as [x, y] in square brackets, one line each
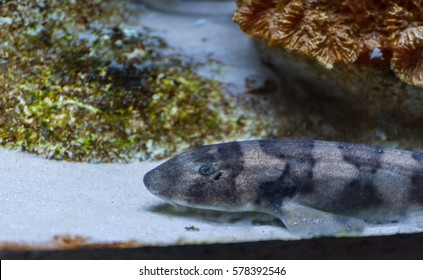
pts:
[217, 176]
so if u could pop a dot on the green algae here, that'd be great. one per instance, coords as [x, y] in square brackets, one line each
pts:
[76, 85]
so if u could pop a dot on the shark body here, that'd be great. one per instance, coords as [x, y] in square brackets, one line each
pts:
[314, 187]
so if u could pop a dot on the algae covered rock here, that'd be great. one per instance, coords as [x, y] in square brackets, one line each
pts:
[76, 84]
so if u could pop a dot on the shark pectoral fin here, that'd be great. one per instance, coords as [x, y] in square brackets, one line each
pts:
[307, 221]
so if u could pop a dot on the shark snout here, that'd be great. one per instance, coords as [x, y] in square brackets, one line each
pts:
[149, 180]
[157, 182]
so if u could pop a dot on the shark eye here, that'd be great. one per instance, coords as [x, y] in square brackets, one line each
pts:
[207, 169]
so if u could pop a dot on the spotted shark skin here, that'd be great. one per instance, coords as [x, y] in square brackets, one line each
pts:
[315, 187]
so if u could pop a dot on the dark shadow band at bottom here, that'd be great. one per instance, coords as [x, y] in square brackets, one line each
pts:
[405, 246]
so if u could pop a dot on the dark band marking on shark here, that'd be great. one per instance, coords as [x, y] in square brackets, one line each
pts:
[416, 194]
[418, 156]
[360, 192]
[272, 193]
[314, 187]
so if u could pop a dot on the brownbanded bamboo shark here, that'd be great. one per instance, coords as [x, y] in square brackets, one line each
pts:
[314, 187]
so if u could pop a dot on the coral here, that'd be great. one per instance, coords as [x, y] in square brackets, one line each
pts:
[407, 60]
[341, 31]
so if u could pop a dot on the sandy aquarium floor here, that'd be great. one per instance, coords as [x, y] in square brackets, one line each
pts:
[42, 200]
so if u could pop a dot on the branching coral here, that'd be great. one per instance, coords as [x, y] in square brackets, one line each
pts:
[341, 31]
